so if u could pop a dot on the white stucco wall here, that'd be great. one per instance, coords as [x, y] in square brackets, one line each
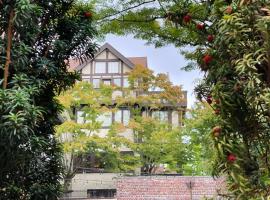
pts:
[86, 69]
[126, 69]
[102, 55]
[111, 56]
[175, 119]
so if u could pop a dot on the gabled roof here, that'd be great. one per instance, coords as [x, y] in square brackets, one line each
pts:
[113, 51]
[139, 61]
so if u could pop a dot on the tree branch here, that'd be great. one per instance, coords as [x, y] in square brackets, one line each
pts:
[8, 51]
[126, 9]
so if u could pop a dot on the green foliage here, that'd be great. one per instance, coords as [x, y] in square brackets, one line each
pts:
[153, 139]
[35, 72]
[157, 144]
[236, 66]
[198, 135]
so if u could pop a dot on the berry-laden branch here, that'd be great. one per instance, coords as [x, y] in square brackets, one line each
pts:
[8, 51]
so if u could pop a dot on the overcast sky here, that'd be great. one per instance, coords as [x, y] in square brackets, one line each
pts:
[161, 60]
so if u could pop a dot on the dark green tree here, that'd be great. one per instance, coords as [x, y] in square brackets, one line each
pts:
[37, 40]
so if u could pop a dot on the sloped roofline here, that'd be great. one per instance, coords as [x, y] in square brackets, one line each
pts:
[113, 51]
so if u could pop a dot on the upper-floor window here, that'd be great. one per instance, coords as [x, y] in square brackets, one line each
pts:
[126, 83]
[80, 117]
[122, 116]
[113, 67]
[96, 83]
[162, 116]
[107, 81]
[100, 67]
[117, 82]
[105, 119]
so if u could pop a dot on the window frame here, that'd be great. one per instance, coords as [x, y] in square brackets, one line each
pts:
[108, 67]
[159, 115]
[95, 67]
[106, 79]
[94, 86]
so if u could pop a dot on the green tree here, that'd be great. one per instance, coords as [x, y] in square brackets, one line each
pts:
[151, 135]
[231, 45]
[198, 135]
[157, 145]
[81, 138]
[37, 40]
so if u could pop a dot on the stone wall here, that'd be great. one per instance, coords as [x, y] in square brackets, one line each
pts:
[169, 188]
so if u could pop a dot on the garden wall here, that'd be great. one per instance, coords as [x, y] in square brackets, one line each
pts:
[169, 188]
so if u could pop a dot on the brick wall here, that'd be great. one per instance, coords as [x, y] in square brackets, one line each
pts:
[168, 188]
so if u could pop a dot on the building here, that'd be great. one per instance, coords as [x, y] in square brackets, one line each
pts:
[110, 67]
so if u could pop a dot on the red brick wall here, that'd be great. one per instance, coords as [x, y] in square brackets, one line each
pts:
[168, 188]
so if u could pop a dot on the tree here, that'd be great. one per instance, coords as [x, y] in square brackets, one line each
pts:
[231, 40]
[157, 145]
[79, 133]
[37, 40]
[198, 135]
[151, 135]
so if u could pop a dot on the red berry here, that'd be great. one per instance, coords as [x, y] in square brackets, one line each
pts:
[200, 26]
[231, 157]
[207, 59]
[187, 18]
[229, 10]
[217, 111]
[209, 99]
[216, 131]
[217, 101]
[210, 38]
[87, 14]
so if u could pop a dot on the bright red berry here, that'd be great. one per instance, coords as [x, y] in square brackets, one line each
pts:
[207, 59]
[87, 14]
[200, 26]
[210, 38]
[187, 18]
[231, 157]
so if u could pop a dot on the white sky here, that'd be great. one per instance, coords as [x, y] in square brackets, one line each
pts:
[162, 60]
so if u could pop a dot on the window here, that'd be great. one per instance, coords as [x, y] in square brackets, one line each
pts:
[105, 119]
[80, 117]
[106, 81]
[101, 193]
[100, 67]
[113, 67]
[117, 82]
[118, 116]
[162, 116]
[126, 83]
[122, 116]
[126, 117]
[96, 83]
